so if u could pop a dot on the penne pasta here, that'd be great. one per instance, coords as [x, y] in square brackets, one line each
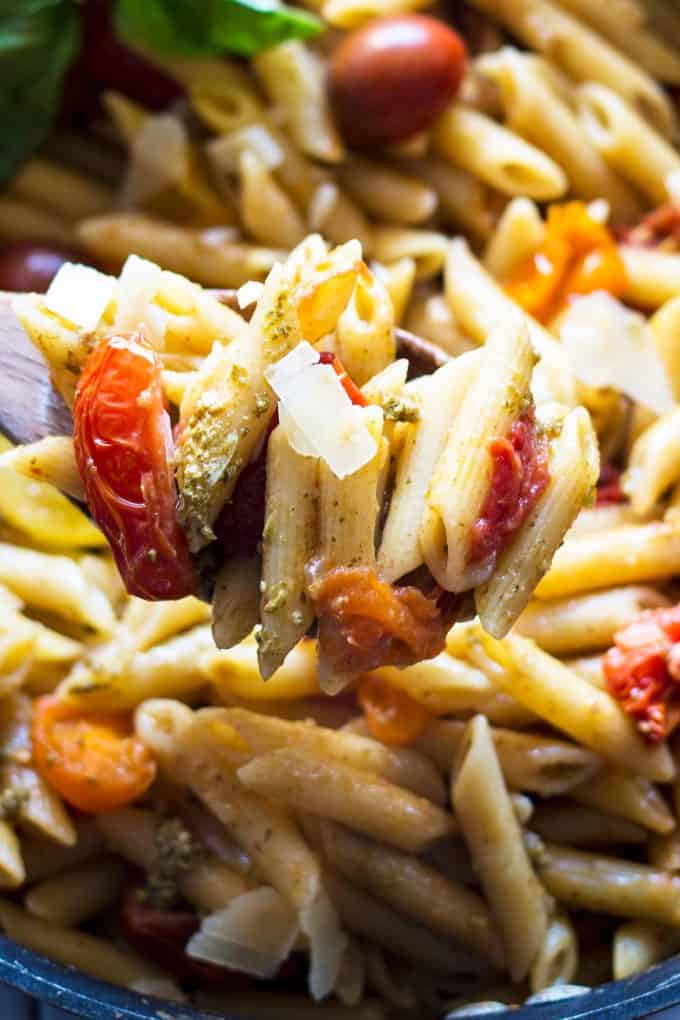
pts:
[572, 705]
[610, 885]
[498, 156]
[556, 962]
[574, 625]
[654, 463]
[517, 236]
[494, 839]
[333, 789]
[627, 796]
[76, 896]
[414, 889]
[653, 276]
[629, 554]
[236, 601]
[640, 944]
[386, 193]
[574, 468]
[480, 306]
[581, 53]
[543, 765]
[536, 112]
[629, 144]
[562, 821]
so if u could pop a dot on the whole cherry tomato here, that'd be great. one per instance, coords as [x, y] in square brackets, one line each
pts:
[26, 266]
[392, 78]
[124, 451]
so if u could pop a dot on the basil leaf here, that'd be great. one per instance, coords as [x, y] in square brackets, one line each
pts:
[211, 27]
[38, 41]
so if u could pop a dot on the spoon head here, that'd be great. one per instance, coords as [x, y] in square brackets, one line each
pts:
[30, 408]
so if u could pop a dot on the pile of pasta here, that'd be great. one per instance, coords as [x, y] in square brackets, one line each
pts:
[485, 825]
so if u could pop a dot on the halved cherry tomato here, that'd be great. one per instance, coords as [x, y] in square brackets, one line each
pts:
[94, 761]
[124, 450]
[578, 256]
[642, 671]
[391, 715]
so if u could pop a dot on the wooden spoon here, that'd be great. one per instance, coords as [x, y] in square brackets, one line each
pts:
[31, 409]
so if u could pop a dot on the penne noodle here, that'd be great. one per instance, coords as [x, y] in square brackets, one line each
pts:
[498, 156]
[627, 796]
[22, 221]
[494, 838]
[94, 955]
[572, 705]
[627, 141]
[235, 675]
[62, 192]
[427, 248]
[365, 330]
[261, 734]
[546, 766]
[387, 193]
[623, 24]
[480, 305]
[210, 256]
[574, 468]
[431, 318]
[345, 793]
[517, 236]
[44, 859]
[638, 945]
[663, 851]
[575, 625]
[562, 821]
[236, 601]
[608, 885]
[414, 889]
[288, 543]
[464, 201]
[653, 276]
[556, 962]
[76, 896]
[536, 111]
[397, 278]
[266, 211]
[456, 496]
[48, 460]
[12, 868]
[581, 53]
[629, 554]
[653, 464]
[440, 397]
[294, 77]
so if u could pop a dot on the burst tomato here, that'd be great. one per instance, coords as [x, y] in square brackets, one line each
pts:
[124, 451]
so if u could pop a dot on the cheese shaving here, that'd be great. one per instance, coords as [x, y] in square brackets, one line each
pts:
[80, 295]
[159, 158]
[318, 416]
[249, 293]
[610, 346]
[138, 285]
[254, 934]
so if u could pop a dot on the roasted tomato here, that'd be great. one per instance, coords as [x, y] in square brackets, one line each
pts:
[609, 487]
[94, 761]
[392, 716]
[520, 474]
[578, 256]
[124, 451]
[364, 622]
[642, 671]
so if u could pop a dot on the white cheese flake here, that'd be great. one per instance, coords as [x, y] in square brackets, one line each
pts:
[137, 287]
[319, 417]
[249, 293]
[80, 294]
[610, 346]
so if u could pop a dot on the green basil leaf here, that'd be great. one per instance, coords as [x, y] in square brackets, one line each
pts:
[38, 41]
[211, 27]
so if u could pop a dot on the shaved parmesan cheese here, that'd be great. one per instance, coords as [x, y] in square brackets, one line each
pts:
[225, 152]
[599, 210]
[610, 346]
[318, 416]
[137, 287]
[254, 934]
[80, 295]
[249, 293]
[327, 945]
[159, 157]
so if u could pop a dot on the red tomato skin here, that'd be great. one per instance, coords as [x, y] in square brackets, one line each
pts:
[124, 452]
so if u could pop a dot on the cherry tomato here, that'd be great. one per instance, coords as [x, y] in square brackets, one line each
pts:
[391, 715]
[394, 77]
[124, 451]
[95, 762]
[25, 266]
